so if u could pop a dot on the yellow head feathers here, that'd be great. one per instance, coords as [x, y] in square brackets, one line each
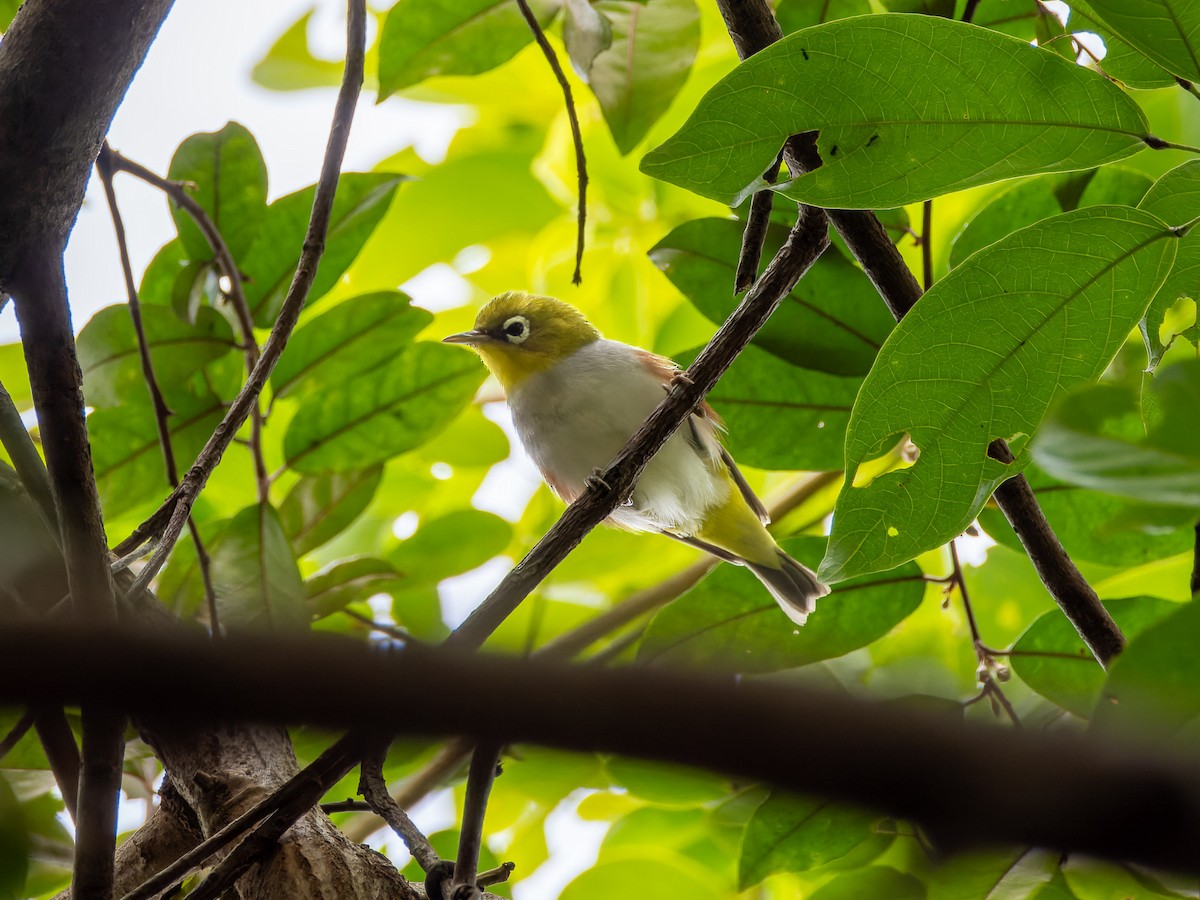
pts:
[518, 334]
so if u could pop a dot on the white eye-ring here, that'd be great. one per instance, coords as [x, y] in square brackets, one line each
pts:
[516, 329]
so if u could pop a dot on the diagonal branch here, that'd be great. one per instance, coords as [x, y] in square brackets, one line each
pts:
[752, 27]
[166, 524]
[804, 245]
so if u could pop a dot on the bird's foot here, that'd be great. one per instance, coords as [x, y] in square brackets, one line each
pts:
[679, 378]
[596, 481]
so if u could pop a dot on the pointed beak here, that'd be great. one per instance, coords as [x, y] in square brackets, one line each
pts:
[468, 337]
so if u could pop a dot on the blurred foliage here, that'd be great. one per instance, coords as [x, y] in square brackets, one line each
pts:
[393, 493]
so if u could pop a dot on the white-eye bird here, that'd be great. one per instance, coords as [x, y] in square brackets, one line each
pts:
[577, 398]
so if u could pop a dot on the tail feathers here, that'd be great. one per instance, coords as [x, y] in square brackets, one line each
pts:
[794, 586]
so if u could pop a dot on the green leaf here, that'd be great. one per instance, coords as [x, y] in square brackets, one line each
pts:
[1074, 683]
[781, 417]
[112, 367]
[8, 9]
[1154, 686]
[793, 15]
[730, 621]
[1097, 438]
[346, 582]
[663, 877]
[289, 64]
[230, 178]
[14, 376]
[873, 881]
[586, 34]
[981, 357]
[652, 47]
[14, 839]
[1166, 31]
[450, 545]
[423, 38]
[254, 574]
[993, 875]
[1174, 198]
[790, 833]
[1093, 526]
[840, 79]
[383, 413]
[1039, 198]
[361, 201]
[831, 321]
[320, 507]
[127, 456]
[31, 566]
[353, 337]
[1121, 60]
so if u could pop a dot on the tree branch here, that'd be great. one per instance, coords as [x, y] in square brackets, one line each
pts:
[752, 27]
[1053, 789]
[167, 522]
[804, 245]
[373, 788]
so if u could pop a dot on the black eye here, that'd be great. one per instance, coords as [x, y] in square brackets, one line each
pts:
[516, 329]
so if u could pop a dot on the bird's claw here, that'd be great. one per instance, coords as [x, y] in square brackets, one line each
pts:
[596, 481]
[679, 378]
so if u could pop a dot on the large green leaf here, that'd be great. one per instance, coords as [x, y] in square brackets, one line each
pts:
[383, 413]
[1174, 198]
[981, 357]
[289, 64]
[31, 565]
[831, 321]
[320, 507]
[1096, 527]
[361, 201]
[254, 574]
[872, 881]
[1048, 195]
[793, 15]
[1097, 438]
[888, 141]
[423, 38]
[730, 621]
[355, 336]
[1167, 31]
[343, 583]
[998, 874]
[230, 179]
[1051, 658]
[450, 545]
[790, 833]
[1154, 686]
[112, 366]
[1121, 60]
[781, 417]
[667, 877]
[127, 455]
[635, 79]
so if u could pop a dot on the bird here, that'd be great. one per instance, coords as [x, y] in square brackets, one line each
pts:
[576, 399]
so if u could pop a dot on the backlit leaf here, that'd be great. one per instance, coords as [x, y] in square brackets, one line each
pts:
[350, 580]
[1166, 31]
[872, 881]
[981, 357]
[254, 574]
[450, 545]
[320, 507]
[888, 141]
[1174, 198]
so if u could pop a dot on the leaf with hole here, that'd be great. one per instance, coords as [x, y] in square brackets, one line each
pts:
[729, 621]
[1051, 658]
[831, 321]
[1121, 61]
[230, 182]
[383, 413]
[1166, 31]
[424, 38]
[1147, 448]
[1175, 198]
[362, 199]
[981, 357]
[887, 141]
[357, 335]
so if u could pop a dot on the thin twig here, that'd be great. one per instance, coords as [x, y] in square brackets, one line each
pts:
[754, 235]
[373, 788]
[804, 245]
[1188, 86]
[969, 12]
[158, 403]
[343, 806]
[484, 762]
[58, 742]
[576, 133]
[392, 631]
[1157, 143]
[17, 732]
[167, 522]
[1195, 581]
[927, 244]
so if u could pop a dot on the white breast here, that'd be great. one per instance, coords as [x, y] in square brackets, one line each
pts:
[577, 417]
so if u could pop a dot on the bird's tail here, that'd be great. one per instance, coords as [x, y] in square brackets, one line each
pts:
[795, 587]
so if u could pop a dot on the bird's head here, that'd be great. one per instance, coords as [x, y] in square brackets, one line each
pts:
[519, 334]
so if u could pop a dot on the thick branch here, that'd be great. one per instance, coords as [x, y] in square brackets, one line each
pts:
[1054, 789]
[752, 26]
[802, 248]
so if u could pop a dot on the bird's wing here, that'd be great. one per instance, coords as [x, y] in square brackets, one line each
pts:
[716, 551]
[703, 425]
